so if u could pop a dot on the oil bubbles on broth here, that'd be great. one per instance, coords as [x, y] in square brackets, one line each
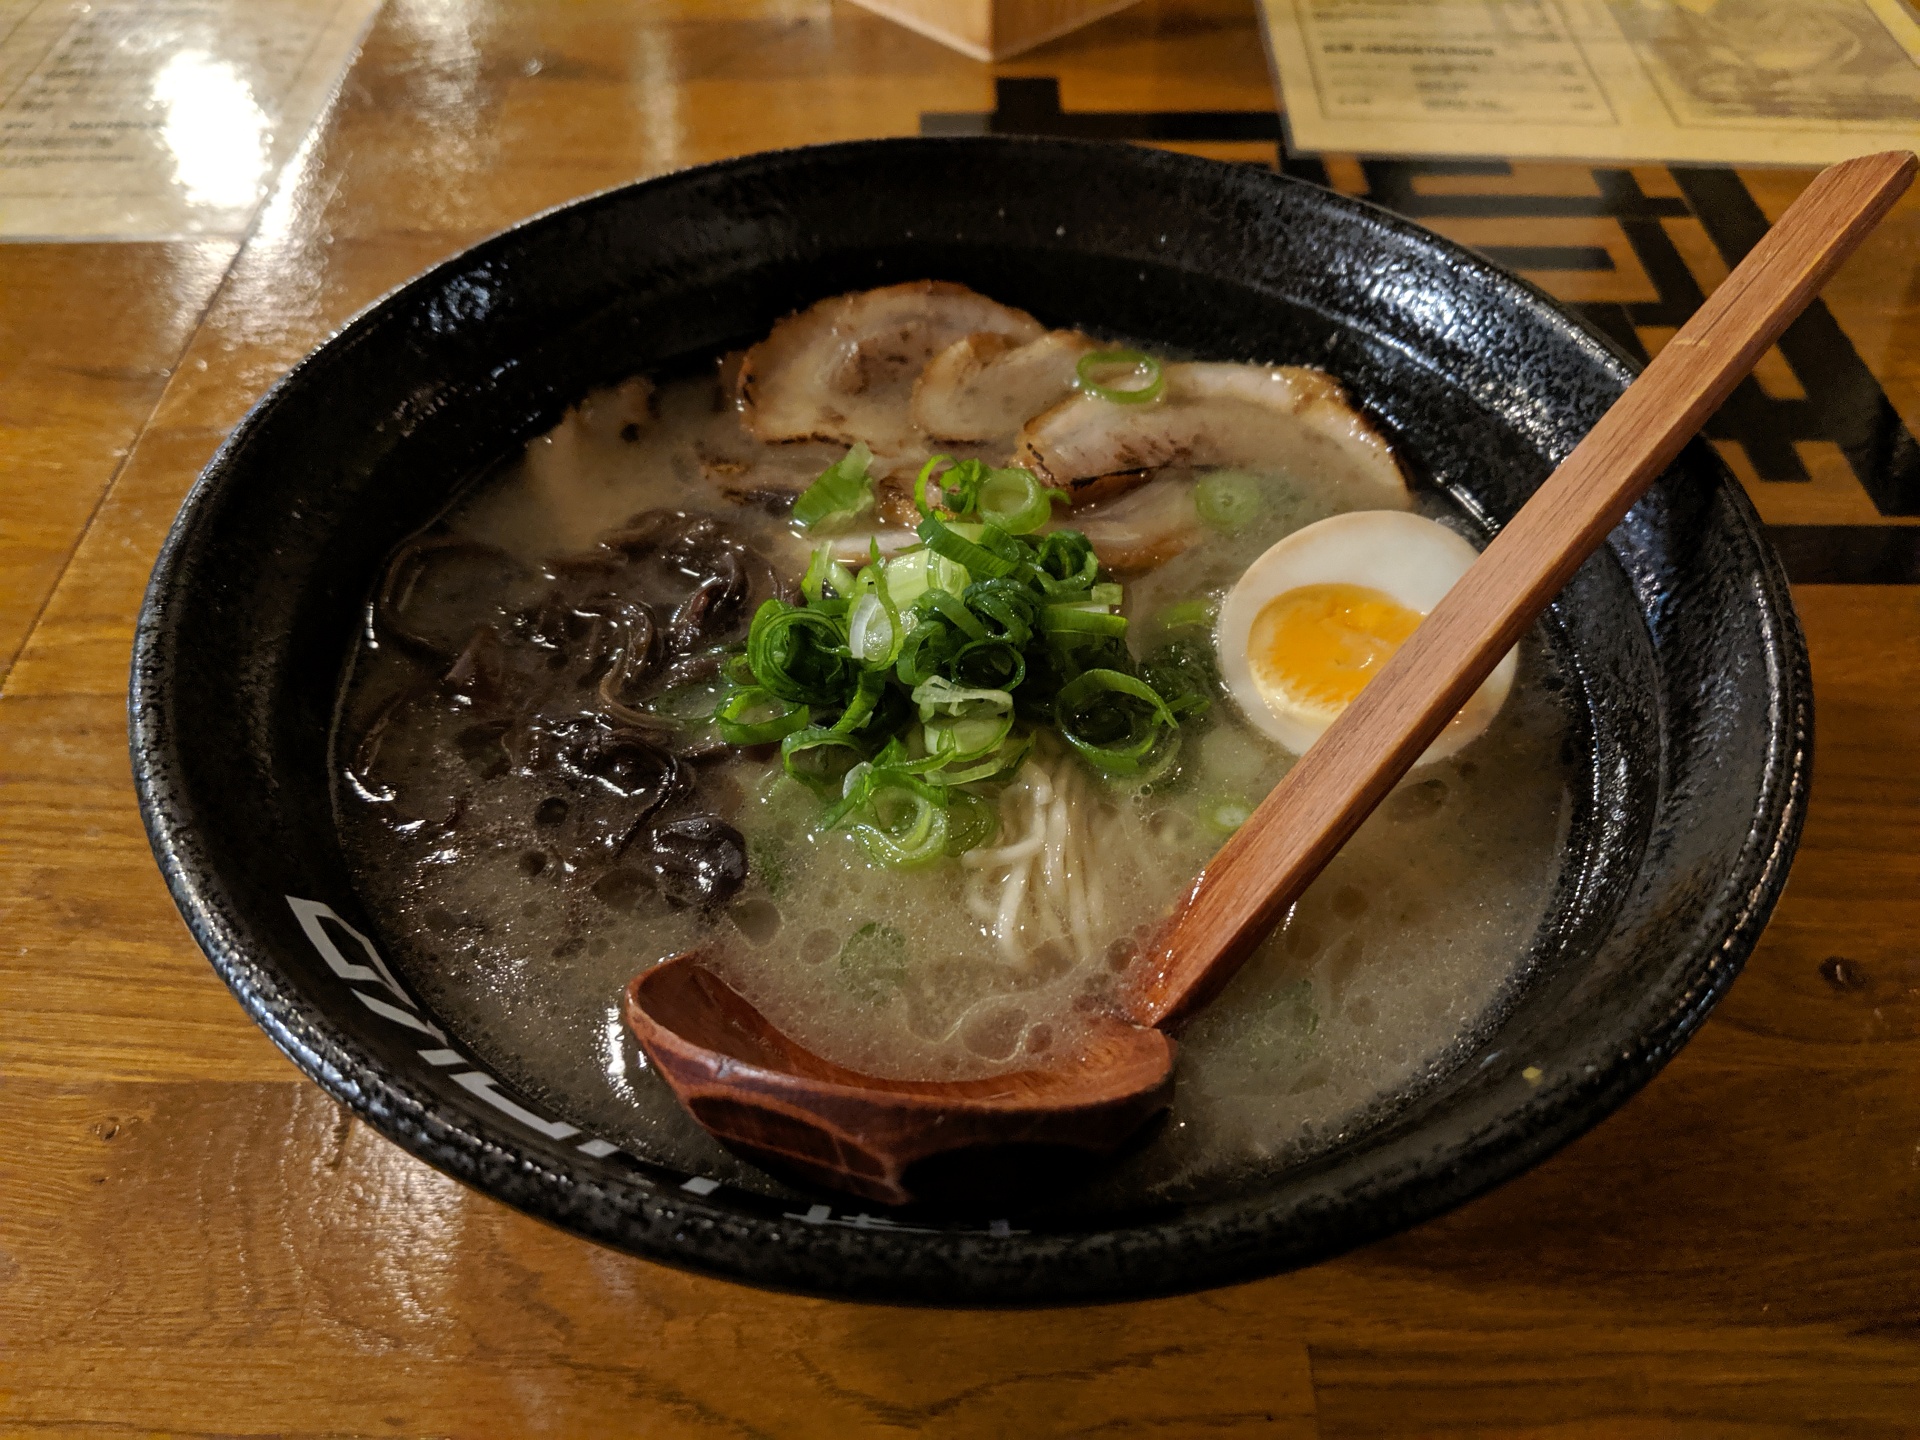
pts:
[537, 804]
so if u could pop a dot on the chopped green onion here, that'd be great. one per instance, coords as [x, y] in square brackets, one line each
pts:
[911, 575]
[1010, 498]
[1149, 380]
[824, 571]
[943, 697]
[1065, 562]
[841, 495]
[964, 740]
[1013, 549]
[923, 652]
[1114, 720]
[920, 501]
[1225, 814]
[799, 654]
[889, 768]
[961, 724]
[949, 608]
[856, 784]
[991, 664]
[1189, 615]
[1009, 604]
[896, 627]
[1184, 674]
[972, 821]
[1229, 500]
[819, 758]
[1082, 619]
[947, 541]
[813, 584]
[1016, 502]
[958, 646]
[866, 699]
[873, 638]
[909, 824]
[754, 717]
[997, 764]
[893, 759]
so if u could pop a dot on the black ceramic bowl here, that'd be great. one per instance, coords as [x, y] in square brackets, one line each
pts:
[1693, 693]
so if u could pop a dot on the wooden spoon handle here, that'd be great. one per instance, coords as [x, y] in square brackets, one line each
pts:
[1261, 870]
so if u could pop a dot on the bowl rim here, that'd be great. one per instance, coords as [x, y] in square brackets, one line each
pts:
[1217, 1241]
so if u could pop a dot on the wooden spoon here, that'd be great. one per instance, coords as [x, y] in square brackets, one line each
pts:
[893, 1141]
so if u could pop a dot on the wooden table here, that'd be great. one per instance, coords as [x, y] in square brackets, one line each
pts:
[195, 1240]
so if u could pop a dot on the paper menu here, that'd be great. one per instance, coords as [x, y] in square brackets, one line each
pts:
[1802, 82]
[136, 119]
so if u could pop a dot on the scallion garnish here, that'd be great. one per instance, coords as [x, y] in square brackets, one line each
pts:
[1228, 500]
[892, 690]
[949, 544]
[961, 724]
[819, 757]
[988, 664]
[824, 573]
[754, 717]
[1065, 563]
[1084, 619]
[1014, 501]
[1116, 721]
[800, 655]
[871, 635]
[912, 574]
[1010, 499]
[908, 828]
[1183, 673]
[1188, 615]
[1225, 814]
[1147, 381]
[841, 495]
[972, 822]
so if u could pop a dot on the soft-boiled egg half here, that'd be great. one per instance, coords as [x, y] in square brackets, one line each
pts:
[1317, 616]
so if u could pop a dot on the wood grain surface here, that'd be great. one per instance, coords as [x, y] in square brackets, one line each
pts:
[74, 396]
[195, 1241]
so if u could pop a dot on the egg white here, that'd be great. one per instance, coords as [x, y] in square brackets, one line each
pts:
[1408, 558]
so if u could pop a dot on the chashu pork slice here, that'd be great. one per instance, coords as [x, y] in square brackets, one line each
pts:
[1284, 419]
[986, 386]
[844, 369]
[1143, 528]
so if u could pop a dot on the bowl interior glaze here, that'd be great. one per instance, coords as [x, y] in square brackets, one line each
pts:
[1693, 696]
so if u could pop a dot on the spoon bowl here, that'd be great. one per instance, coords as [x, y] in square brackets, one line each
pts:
[769, 1097]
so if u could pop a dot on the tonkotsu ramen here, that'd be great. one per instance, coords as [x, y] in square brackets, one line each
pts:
[911, 662]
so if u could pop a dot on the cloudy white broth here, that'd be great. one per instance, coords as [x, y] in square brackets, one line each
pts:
[717, 664]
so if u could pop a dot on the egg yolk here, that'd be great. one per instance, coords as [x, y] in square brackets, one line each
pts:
[1319, 644]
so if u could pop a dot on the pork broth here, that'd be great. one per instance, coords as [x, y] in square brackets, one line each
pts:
[524, 860]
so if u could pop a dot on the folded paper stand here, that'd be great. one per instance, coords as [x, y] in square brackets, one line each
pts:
[993, 29]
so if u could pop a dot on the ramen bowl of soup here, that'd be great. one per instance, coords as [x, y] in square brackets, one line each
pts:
[891, 570]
